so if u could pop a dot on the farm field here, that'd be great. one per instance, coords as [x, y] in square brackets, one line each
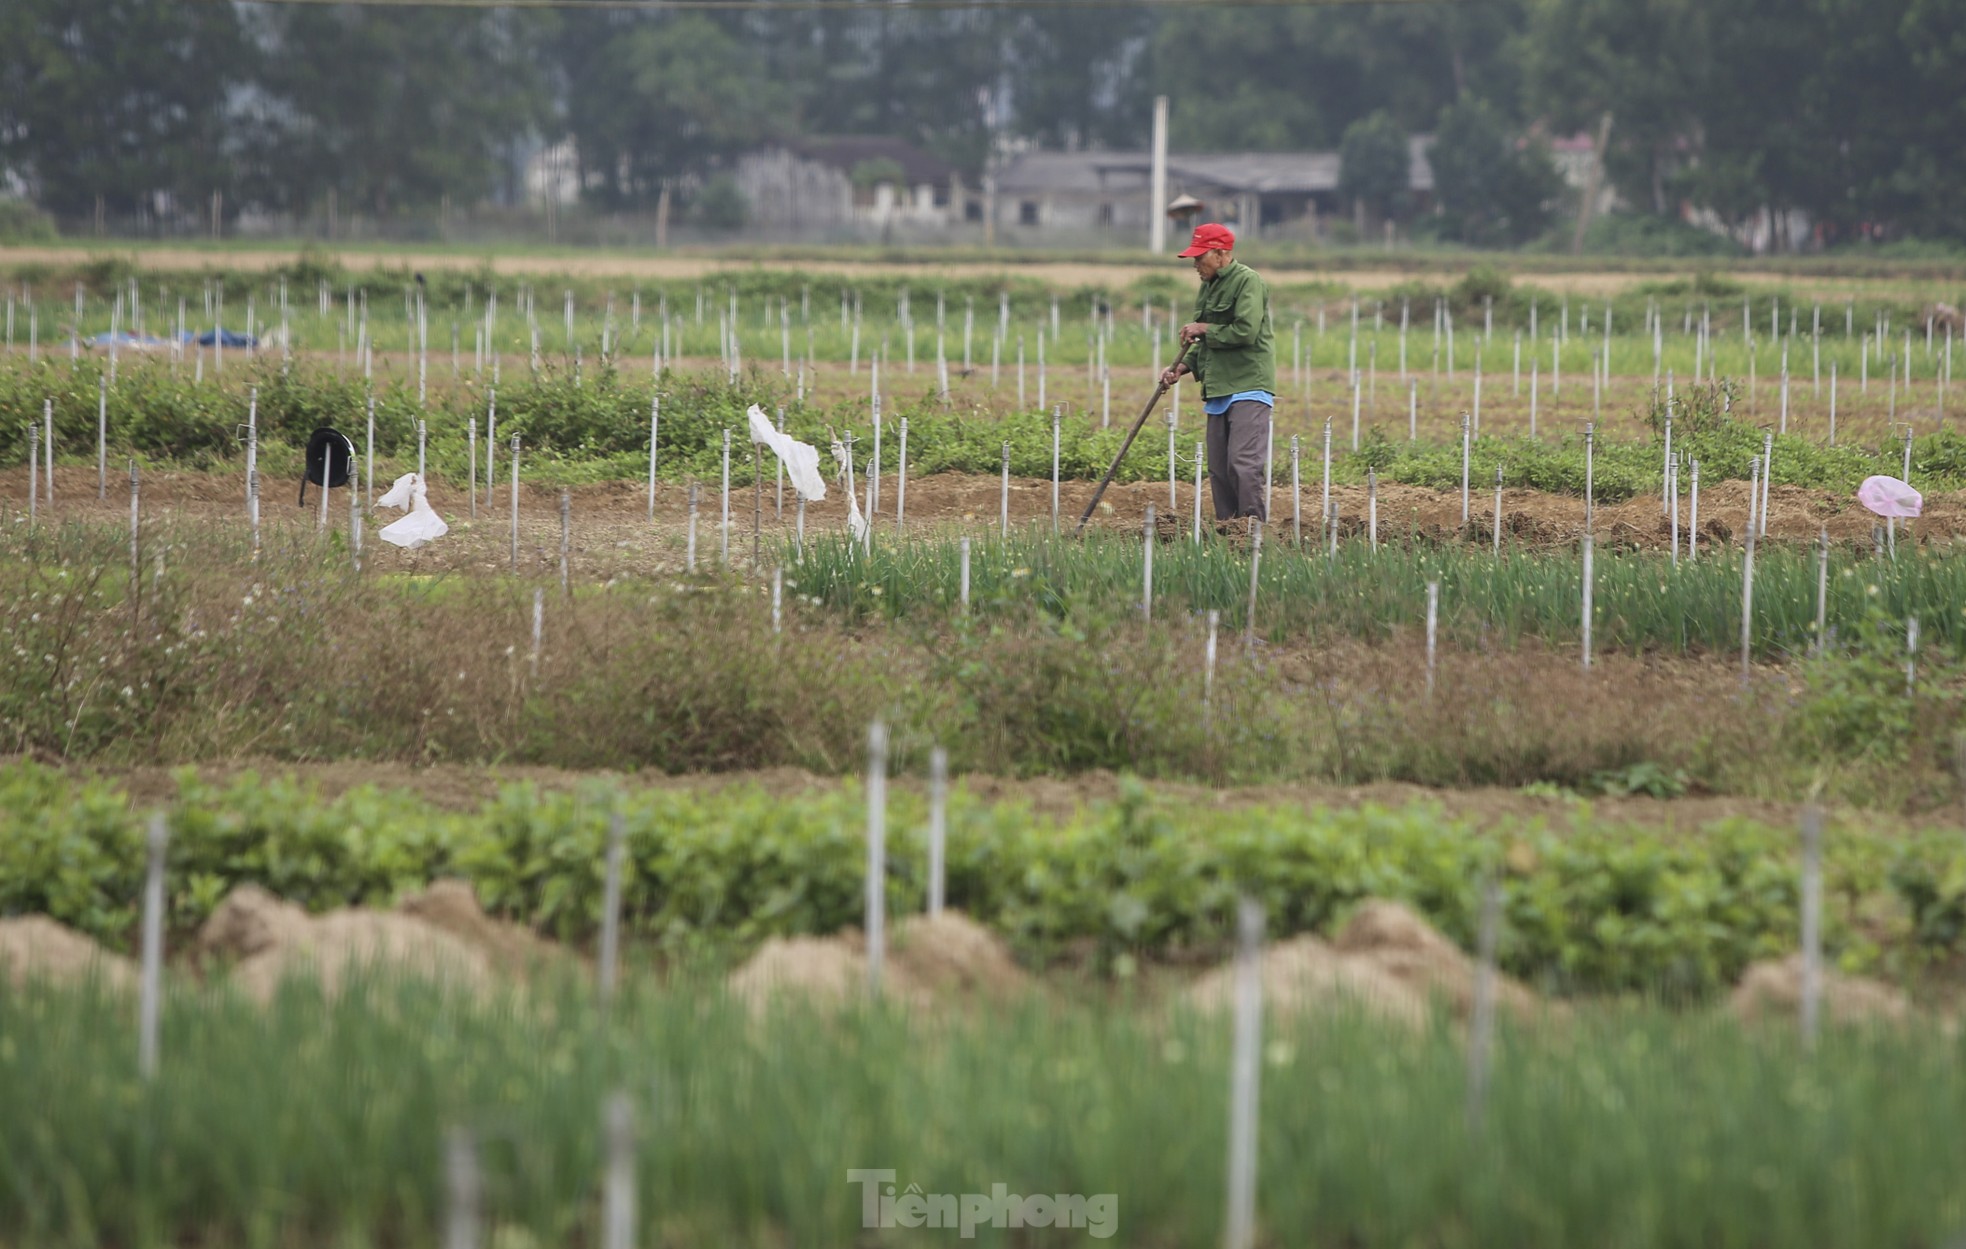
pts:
[1595, 671]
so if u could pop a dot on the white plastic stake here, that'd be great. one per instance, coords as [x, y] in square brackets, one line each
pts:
[1208, 668]
[1147, 566]
[1747, 603]
[655, 432]
[1372, 507]
[777, 601]
[1255, 566]
[900, 482]
[134, 506]
[102, 439]
[963, 592]
[689, 549]
[1324, 503]
[470, 459]
[1590, 470]
[1466, 453]
[1004, 494]
[938, 827]
[538, 629]
[1296, 491]
[1245, 1073]
[1054, 471]
[610, 959]
[464, 1190]
[724, 524]
[151, 989]
[1590, 544]
[1812, 922]
[566, 541]
[618, 1191]
[1198, 463]
[1481, 1021]
[515, 503]
[1822, 589]
[1693, 517]
[875, 926]
[1433, 628]
[1498, 513]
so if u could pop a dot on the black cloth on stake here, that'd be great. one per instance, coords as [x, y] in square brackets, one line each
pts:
[330, 460]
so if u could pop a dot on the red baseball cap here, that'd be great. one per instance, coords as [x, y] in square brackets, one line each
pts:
[1208, 238]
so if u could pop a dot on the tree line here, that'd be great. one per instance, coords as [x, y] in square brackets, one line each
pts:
[1848, 110]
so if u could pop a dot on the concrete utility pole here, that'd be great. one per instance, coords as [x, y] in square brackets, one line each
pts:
[1157, 183]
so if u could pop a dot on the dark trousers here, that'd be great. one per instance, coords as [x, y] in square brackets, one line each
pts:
[1238, 450]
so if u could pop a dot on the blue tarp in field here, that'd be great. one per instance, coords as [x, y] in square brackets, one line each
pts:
[225, 337]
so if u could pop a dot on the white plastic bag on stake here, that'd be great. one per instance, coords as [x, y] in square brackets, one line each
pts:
[856, 522]
[422, 525]
[801, 461]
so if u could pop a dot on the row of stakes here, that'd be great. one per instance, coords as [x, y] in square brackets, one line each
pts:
[465, 1188]
[1760, 476]
[1100, 321]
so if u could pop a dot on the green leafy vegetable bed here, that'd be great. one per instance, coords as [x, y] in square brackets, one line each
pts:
[1591, 905]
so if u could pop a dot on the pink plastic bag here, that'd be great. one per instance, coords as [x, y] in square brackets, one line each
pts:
[1887, 496]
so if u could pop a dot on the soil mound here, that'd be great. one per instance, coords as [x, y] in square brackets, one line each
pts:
[35, 947]
[953, 953]
[452, 907]
[948, 957]
[1305, 975]
[1392, 939]
[273, 940]
[249, 921]
[826, 971]
[1773, 990]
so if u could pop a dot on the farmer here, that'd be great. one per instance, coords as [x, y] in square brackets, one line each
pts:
[1231, 352]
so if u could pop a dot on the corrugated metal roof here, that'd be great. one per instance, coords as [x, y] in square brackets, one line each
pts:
[1235, 173]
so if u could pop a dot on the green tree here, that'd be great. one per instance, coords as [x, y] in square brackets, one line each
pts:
[391, 107]
[1643, 61]
[1494, 189]
[124, 99]
[655, 99]
[1374, 164]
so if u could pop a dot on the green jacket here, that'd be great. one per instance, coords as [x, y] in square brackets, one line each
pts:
[1239, 351]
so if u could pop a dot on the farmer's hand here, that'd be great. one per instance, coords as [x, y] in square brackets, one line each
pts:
[1194, 331]
[1172, 374]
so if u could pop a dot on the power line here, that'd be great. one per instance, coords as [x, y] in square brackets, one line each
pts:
[849, 6]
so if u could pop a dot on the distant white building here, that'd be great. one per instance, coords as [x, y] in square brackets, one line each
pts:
[1259, 194]
[552, 175]
[852, 184]
[1575, 156]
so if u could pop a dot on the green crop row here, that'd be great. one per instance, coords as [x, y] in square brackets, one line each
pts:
[309, 1125]
[1591, 905]
[1642, 601]
[762, 301]
[596, 424]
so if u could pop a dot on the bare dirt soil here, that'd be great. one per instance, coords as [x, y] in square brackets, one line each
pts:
[612, 535]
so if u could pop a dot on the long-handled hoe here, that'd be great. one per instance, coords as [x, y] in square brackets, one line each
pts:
[1131, 434]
